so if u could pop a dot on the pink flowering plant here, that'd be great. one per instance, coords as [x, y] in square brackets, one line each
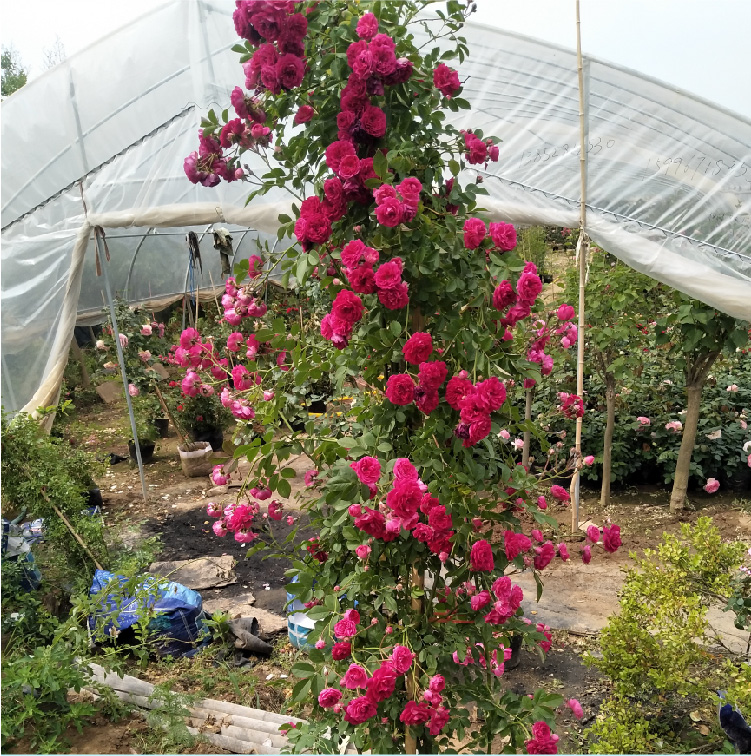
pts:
[414, 599]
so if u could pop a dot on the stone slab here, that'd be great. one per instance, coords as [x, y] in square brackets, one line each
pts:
[204, 572]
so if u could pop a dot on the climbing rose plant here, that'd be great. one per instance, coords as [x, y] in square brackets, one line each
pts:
[413, 596]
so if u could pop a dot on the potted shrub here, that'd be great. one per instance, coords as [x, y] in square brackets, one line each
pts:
[146, 409]
[204, 419]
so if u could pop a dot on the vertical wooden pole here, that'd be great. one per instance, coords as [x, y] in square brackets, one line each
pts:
[582, 249]
[527, 433]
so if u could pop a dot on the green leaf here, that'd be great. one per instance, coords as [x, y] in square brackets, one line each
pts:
[380, 164]
[284, 489]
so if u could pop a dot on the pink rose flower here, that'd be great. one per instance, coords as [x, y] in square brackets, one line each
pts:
[367, 469]
[367, 26]
[390, 213]
[711, 485]
[593, 533]
[474, 233]
[418, 348]
[611, 538]
[401, 657]
[575, 707]
[644, 420]
[345, 629]
[481, 557]
[503, 236]
[341, 650]
[589, 460]
[133, 390]
[362, 551]
[359, 710]
[304, 114]
[542, 740]
[559, 493]
[446, 80]
[355, 677]
[400, 389]
[587, 554]
[566, 312]
[328, 697]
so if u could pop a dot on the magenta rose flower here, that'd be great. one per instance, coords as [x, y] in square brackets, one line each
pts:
[446, 80]
[367, 469]
[545, 554]
[304, 114]
[389, 275]
[329, 697]
[474, 233]
[611, 538]
[410, 189]
[290, 71]
[345, 629]
[384, 192]
[347, 307]
[566, 312]
[481, 557]
[456, 389]
[418, 348]
[341, 650]
[373, 121]
[401, 658]
[542, 740]
[381, 685]
[400, 389]
[360, 710]
[390, 213]
[415, 713]
[367, 26]
[515, 544]
[504, 295]
[559, 493]
[503, 236]
[395, 298]
[355, 677]
[528, 287]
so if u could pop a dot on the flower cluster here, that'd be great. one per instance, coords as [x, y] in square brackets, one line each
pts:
[338, 325]
[208, 166]
[502, 235]
[405, 501]
[240, 303]
[479, 151]
[236, 518]
[401, 389]
[397, 204]
[517, 304]
[279, 33]
[365, 279]
[542, 740]
[475, 403]
[369, 691]
[571, 405]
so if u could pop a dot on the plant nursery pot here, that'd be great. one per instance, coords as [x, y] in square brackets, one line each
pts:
[319, 406]
[147, 449]
[94, 498]
[162, 425]
[196, 463]
[739, 481]
[213, 436]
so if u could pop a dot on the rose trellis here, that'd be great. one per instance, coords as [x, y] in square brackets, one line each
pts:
[415, 602]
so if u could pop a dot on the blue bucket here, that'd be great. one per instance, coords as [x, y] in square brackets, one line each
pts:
[298, 623]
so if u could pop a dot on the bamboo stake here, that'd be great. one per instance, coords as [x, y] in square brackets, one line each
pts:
[527, 433]
[70, 528]
[582, 249]
[188, 445]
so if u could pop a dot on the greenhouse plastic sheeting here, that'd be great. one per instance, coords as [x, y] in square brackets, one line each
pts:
[668, 175]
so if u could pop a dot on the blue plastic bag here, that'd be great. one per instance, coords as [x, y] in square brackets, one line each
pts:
[176, 630]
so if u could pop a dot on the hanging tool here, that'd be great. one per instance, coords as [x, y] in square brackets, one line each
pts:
[223, 243]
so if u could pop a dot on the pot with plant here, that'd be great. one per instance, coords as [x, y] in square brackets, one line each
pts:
[204, 419]
[146, 409]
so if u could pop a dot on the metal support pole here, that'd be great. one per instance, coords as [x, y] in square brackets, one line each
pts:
[581, 249]
[120, 357]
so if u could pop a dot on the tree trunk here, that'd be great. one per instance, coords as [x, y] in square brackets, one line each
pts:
[85, 378]
[527, 433]
[683, 465]
[607, 445]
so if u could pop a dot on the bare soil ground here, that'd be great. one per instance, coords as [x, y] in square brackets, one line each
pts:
[176, 513]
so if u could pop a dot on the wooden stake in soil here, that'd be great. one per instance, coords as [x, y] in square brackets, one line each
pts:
[582, 249]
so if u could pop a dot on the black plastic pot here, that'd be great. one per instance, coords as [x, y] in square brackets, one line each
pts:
[147, 449]
[162, 425]
[214, 436]
[95, 498]
[739, 481]
[319, 405]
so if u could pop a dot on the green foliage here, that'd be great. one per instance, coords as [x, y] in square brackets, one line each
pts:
[41, 474]
[168, 731]
[656, 649]
[14, 74]
[623, 727]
